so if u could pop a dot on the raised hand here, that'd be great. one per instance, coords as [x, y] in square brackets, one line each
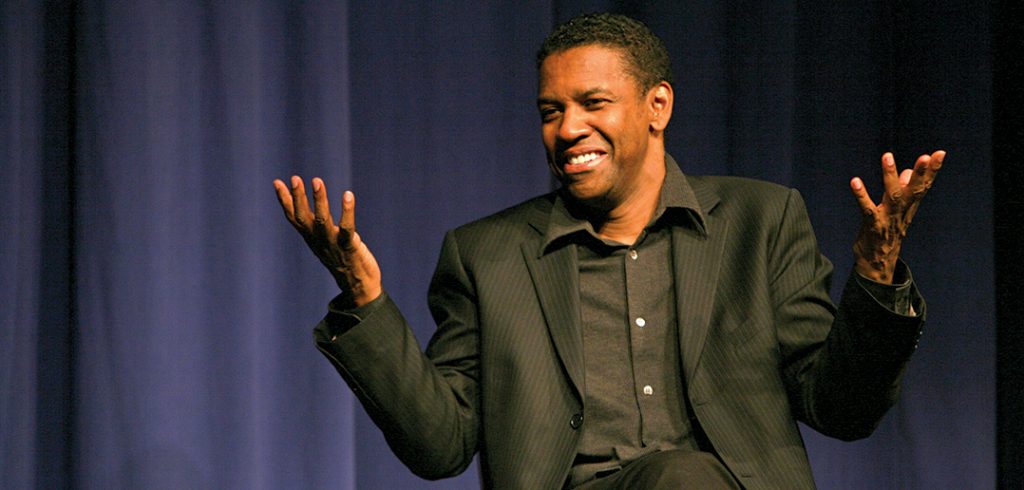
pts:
[339, 248]
[885, 224]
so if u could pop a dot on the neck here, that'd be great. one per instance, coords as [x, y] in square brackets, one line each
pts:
[625, 228]
[626, 220]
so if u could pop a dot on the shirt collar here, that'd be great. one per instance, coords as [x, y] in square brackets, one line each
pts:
[677, 204]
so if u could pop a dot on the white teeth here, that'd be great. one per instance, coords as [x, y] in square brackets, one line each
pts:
[584, 158]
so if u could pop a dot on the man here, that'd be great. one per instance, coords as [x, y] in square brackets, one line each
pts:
[637, 328]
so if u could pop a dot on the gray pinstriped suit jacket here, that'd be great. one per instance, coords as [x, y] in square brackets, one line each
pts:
[762, 345]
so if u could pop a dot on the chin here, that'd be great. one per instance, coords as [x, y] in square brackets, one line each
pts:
[588, 199]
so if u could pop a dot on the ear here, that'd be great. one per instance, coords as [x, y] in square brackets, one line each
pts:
[660, 99]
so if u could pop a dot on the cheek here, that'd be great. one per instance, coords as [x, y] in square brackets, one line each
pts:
[612, 127]
[547, 136]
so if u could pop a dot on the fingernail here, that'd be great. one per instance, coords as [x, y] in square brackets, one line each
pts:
[295, 182]
[348, 196]
[317, 184]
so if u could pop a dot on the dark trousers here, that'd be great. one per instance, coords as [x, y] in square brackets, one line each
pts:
[673, 469]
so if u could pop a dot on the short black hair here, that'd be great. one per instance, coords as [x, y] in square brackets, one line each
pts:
[645, 54]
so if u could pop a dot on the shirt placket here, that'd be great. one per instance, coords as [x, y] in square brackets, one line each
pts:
[643, 333]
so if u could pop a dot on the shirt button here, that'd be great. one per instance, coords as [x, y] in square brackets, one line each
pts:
[648, 390]
[576, 421]
[640, 322]
[632, 254]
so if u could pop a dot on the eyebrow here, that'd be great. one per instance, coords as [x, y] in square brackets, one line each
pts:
[593, 91]
[582, 95]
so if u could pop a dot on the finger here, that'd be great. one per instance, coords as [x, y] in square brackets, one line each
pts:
[905, 176]
[921, 165]
[285, 199]
[925, 170]
[347, 225]
[321, 206]
[303, 216]
[867, 206]
[348, 212]
[929, 165]
[890, 179]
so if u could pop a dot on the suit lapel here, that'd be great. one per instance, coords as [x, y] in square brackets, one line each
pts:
[555, 276]
[696, 258]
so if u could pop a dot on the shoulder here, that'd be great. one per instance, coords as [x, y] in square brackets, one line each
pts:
[747, 202]
[739, 189]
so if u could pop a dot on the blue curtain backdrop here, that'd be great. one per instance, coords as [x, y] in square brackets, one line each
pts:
[157, 309]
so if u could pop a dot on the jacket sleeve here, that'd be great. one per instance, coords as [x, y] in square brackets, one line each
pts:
[427, 405]
[842, 385]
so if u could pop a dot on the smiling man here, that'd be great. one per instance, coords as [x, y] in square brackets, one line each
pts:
[637, 328]
[597, 124]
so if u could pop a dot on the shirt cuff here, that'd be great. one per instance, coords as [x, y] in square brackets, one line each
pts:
[895, 296]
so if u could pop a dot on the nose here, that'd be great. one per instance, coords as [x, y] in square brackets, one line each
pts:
[573, 125]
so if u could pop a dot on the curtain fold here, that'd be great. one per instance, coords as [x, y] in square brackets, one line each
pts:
[37, 307]
[194, 327]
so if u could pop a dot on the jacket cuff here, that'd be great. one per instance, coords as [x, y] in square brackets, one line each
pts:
[900, 297]
[340, 320]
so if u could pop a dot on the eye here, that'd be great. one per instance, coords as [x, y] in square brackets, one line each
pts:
[594, 103]
[549, 113]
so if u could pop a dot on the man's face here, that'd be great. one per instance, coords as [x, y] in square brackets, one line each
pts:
[595, 125]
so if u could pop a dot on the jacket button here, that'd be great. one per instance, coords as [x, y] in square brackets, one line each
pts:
[576, 421]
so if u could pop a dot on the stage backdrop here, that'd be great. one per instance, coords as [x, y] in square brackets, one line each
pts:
[157, 309]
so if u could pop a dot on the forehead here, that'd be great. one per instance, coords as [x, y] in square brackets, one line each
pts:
[584, 68]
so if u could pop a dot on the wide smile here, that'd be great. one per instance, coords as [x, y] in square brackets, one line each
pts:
[583, 162]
